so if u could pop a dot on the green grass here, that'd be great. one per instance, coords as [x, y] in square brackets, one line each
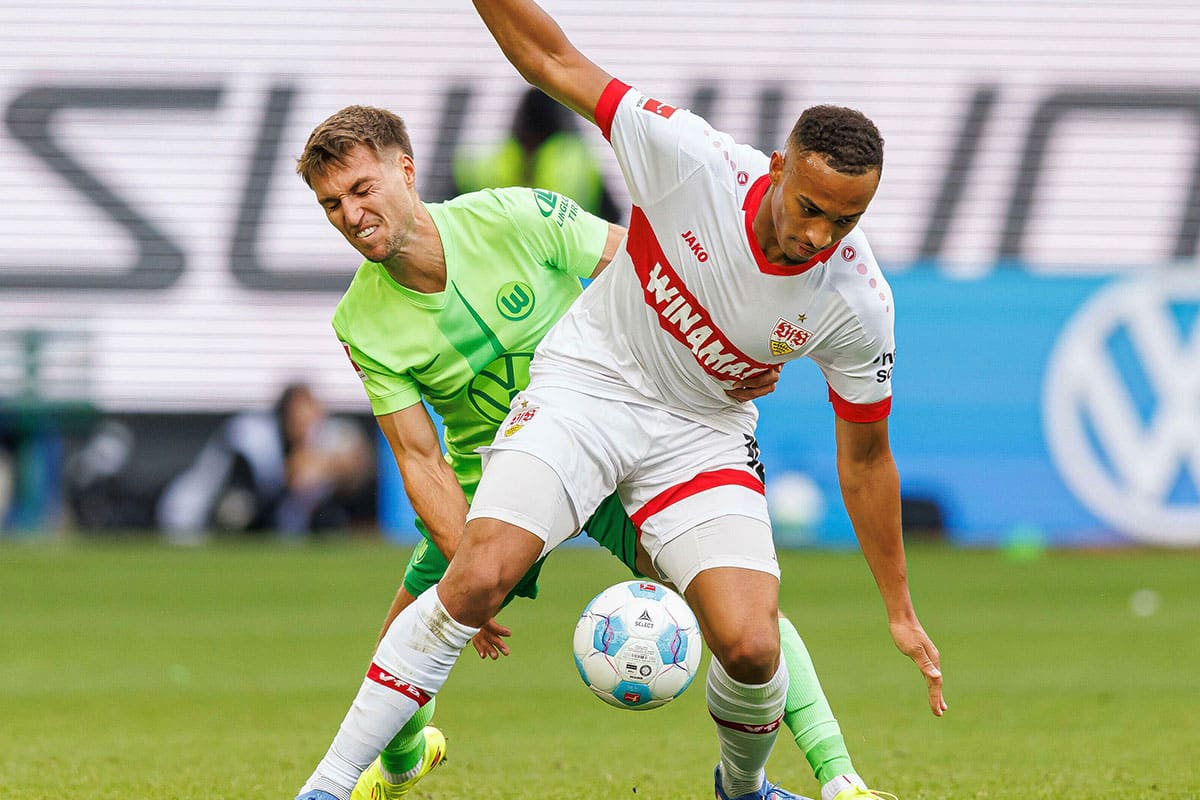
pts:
[139, 671]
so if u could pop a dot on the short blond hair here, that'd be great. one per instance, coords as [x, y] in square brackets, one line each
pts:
[332, 140]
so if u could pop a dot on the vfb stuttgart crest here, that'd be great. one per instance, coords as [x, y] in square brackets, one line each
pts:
[788, 337]
[519, 419]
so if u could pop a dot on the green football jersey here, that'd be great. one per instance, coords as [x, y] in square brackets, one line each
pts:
[514, 259]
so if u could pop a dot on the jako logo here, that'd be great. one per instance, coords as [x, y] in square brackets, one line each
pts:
[1120, 407]
[697, 249]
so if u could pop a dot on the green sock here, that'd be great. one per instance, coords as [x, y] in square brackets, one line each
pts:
[807, 713]
[405, 751]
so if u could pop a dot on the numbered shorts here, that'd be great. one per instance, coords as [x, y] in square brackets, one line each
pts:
[610, 526]
[672, 475]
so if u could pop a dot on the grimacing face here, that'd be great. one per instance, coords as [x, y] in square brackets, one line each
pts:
[371, 199]
[814, 205]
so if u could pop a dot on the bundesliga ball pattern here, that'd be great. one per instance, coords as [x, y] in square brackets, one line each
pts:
[637, 645]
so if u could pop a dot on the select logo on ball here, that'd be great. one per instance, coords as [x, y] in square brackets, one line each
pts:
[492, 390]
[515, 300]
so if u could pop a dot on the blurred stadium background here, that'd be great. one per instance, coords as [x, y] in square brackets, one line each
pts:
[162, 268]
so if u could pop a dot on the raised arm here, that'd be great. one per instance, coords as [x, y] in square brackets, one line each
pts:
[541, 52]
[871, 491]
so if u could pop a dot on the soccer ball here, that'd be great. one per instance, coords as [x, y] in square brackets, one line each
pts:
[637, 645]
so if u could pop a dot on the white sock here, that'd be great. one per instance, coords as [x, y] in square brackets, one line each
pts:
[410, 666]
[747, 718]
[835, 785]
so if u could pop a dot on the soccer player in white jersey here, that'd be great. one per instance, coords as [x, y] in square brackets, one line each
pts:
[447, 307]
[734, 262]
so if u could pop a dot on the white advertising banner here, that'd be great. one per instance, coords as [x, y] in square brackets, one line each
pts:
[157, 251]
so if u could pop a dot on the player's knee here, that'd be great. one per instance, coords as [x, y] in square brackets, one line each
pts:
[475, 591]
[750, 656]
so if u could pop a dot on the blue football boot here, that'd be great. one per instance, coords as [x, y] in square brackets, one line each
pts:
[768, 791]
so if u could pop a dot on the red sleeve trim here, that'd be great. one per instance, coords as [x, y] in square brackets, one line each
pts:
[860, 412]
[606, 106]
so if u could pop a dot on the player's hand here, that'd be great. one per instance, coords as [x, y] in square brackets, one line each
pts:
[489, 642]
[912, 640]
[756, 385]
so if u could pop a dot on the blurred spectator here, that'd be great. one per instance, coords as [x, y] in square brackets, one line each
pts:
[293, 470]
[544, 150]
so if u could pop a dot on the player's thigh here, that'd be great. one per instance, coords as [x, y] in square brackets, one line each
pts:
[426, 566]
[490, 560]
[731, 578]
[525, 493]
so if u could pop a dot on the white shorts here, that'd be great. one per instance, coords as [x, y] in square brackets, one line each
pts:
[671, 474]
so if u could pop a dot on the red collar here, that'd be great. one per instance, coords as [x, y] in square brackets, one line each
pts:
[754, 199]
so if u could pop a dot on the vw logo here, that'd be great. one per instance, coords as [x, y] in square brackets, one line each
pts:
[1121, 407]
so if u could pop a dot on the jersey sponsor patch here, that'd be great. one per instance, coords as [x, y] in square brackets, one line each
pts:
[680, 313]
[491, 392]
[655, 107]
[788, 337]
[362, 376]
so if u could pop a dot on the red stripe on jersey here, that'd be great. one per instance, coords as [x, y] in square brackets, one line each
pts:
[701, 483]
[860, 412]
[606, 106]
[679, 312]
[385, 678]
[766, 727]
[753, 200]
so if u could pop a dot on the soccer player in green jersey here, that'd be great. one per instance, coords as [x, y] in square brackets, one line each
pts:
[448, 308]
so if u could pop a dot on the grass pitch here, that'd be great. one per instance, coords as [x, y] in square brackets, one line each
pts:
[141, 671]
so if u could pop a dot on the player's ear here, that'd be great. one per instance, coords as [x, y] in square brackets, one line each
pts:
[406, 164]
[775, 170]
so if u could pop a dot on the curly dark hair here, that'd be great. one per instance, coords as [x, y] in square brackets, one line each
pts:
[847, 139]
[332, 140]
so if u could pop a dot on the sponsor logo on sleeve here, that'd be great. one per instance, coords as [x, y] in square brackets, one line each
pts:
[362, 376]
[546, 201]
[885, 363]
[554, 206]
[788, 337]
[655, 107]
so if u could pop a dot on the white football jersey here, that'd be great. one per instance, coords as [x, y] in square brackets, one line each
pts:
[690, 304]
